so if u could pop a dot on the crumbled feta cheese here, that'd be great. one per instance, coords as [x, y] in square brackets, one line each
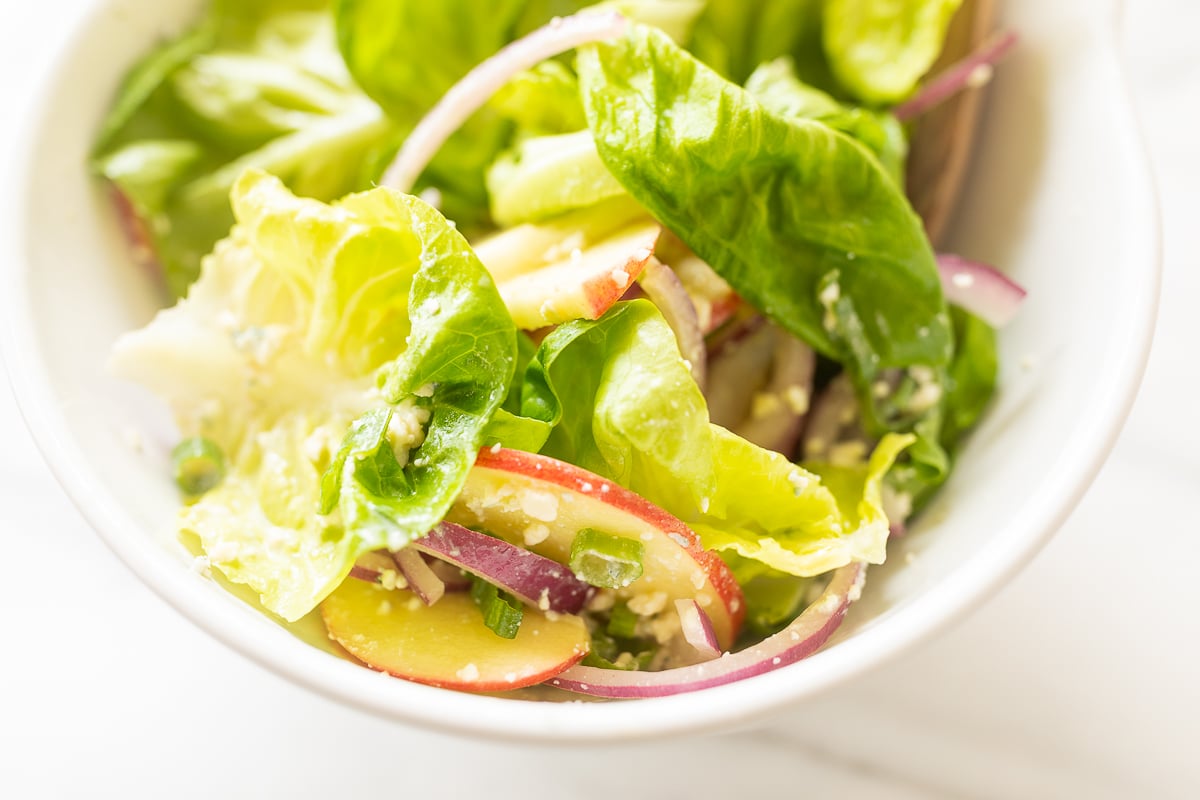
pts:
[620, 277]
[648, 604]
[847, 454]
[543, 602]
[539, 505]
[797, 399]
[202, 566]
[468, 673]
[602, 600]
[536, 533]
[385, 608]
[223, 552]
[980, 76]
[764, 404]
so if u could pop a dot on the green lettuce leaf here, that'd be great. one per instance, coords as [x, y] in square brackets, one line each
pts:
[879, 49]
[775, 85]
[735, 36]
[622, 403]
[371, 314]
[544, 176]
[800, 219]
[255, 84]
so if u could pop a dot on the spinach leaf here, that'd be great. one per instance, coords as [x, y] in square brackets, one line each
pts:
[800, 219]
[879, 49]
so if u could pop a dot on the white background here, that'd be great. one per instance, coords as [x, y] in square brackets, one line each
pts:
[1081, 679]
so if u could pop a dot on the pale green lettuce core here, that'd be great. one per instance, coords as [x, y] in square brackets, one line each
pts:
[879, 49]
[622, 403]
[272, 356]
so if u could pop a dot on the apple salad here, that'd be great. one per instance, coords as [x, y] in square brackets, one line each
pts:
[600, 351]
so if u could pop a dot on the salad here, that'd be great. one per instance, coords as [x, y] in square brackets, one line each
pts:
[595, 347]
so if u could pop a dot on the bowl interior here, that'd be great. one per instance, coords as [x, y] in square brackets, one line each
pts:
[1060, 200]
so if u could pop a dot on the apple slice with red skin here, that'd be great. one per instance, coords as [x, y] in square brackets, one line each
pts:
[447, 644]
[573, 267]
[530, 499]
[581, 285]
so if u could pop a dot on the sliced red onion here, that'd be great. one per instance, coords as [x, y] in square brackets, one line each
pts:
[980, 289]
[738, 366]
[371, 566]
[535, 579]
[697, 629]
[453, 577]
[137, 234]
[421, 579]
[972, 72]
[663, 287]
[477, 86]
[833, 422]
[777, 412]
[797, 641]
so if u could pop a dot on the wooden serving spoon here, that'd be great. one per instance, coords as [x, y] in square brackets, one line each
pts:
[943, 137]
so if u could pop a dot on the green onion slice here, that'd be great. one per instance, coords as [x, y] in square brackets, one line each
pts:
[601, 559]
[502, 613]
[198, 465]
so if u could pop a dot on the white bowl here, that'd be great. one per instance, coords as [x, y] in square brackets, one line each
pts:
[1060, 195]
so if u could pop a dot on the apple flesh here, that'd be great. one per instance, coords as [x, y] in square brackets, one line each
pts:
[447, 644]
[549, 274]
[542, 503]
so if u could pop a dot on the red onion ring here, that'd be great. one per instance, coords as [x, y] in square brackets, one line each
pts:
[973, 71]
[980, 289]
[536, 580]
[797, 641]
[662, 286]
[477, 86]
[697, 629]
[421, 579]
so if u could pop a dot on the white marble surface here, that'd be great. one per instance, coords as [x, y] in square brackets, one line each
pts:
[1079, 680]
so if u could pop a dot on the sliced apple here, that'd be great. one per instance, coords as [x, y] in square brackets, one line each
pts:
[574, 268]
[447, 644]
[543, 503]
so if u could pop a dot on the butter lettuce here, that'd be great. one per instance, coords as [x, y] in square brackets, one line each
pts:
[879, 49]
[775, 85]
[801, 220]
[254, 84]
[370, 315]
[622, 403]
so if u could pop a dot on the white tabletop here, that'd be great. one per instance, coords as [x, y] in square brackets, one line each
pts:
[1080, 679]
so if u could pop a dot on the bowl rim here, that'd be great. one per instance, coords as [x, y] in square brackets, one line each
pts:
[959, 594]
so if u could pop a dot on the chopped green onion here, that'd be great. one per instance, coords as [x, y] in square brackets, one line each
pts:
[601, 559]
[198, 465]
[626, 654]
[502, 613]
[622, 622]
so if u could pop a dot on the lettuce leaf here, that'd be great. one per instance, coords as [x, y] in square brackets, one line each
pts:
[735, 36]
[775, 85]
[253, 84]
[371, 314]
[800, 219]
[879, 49]
[622, 403]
